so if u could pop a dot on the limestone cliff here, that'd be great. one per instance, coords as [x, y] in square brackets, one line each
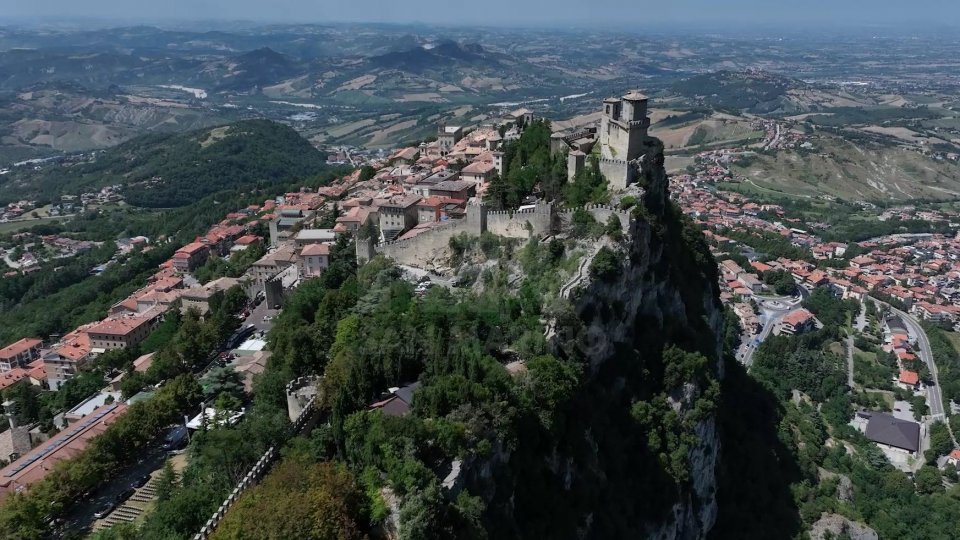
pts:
[637, 448]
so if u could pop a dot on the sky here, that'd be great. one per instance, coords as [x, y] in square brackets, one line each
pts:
[567, 13]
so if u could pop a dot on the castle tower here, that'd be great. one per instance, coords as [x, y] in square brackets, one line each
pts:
[623, 132]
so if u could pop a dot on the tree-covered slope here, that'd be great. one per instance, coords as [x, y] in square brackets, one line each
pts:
[169, 170]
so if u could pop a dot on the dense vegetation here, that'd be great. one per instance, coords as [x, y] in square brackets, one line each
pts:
[169, 170]
[822, 475]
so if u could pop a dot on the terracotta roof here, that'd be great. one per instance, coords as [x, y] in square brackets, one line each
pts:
[191, 248]
[12, 377]
[909, 377]
[797, 318]
[118, 327]
[19, 347]
[34, 466]
[315, 249]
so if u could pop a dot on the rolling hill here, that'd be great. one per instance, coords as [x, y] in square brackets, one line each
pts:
[170, 170]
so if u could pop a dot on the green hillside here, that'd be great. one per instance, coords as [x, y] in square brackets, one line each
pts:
[171, 170]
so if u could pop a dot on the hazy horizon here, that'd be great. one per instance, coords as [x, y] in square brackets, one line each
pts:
[508, 13]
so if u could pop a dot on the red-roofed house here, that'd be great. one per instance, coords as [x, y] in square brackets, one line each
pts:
[314, 259]
[797, 322]
[19, 354]
[120, 333]
[35, 465]
[190, 256]
[909, 380]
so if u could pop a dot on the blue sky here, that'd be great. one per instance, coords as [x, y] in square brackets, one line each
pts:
[640, 13]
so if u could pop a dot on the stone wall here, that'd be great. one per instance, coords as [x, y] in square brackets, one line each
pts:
[435, 242]
[617, 172]
[427, 245]
[522, 223]
[601, 213]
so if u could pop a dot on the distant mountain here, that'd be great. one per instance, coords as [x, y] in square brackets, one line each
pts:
[440, 55]
[258, 68]
[170, 170]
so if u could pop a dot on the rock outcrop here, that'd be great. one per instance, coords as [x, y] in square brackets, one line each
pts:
[636, 451]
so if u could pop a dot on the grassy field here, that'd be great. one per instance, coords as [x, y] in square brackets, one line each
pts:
[21, 224]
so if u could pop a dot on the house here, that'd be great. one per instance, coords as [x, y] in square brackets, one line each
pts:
[199, 297]
[272, 263]
[406, 156]
[453, 189]
[19, 354]
[909, 380]
[305, 237]
[356, 217]
[36, 464]
[287, 219]
[120, 333]
[398, 402]
[12, 377]
[314, 259]
[190, 256]
[478, 172]
[892, 433]
[797, 322]
[61, 362]
[397, 215]
[245, 242]
[751, 282]
[954, 457]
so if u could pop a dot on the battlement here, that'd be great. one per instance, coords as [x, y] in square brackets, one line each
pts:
[614, 161]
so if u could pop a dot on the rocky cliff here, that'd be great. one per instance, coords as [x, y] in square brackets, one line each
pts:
[637, 447]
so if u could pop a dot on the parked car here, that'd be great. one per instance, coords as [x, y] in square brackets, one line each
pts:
[104, 510]
[142, 481]
[125, 494]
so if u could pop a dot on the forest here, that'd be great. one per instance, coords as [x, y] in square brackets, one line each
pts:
[166, 170]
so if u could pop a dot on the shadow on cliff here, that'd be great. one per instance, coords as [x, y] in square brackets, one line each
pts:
[756, 467]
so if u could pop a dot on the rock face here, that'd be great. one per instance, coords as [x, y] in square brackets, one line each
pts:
[648, 295]
[633, 454]
[837, 526]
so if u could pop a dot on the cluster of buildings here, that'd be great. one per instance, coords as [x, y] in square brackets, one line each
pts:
[922, 271]
[33, 250]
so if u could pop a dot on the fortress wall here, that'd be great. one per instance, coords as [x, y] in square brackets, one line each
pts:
[617, 172]
[601, 213]
[426, 245]
[521, 224]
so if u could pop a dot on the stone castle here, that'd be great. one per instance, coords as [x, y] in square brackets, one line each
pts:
[620, 141]
[621, 145]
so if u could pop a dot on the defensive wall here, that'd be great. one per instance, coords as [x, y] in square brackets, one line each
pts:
[305, 420]
[540, 220]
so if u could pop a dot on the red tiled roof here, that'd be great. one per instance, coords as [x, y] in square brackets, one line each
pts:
[19, 347]
[315, 249]
[909, 377]
[798, 317]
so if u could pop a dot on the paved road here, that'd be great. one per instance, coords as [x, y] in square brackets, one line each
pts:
[80, 517]
[934, 399]
[773, 316]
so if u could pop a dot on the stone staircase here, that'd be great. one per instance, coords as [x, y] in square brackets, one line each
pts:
[133, 507]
